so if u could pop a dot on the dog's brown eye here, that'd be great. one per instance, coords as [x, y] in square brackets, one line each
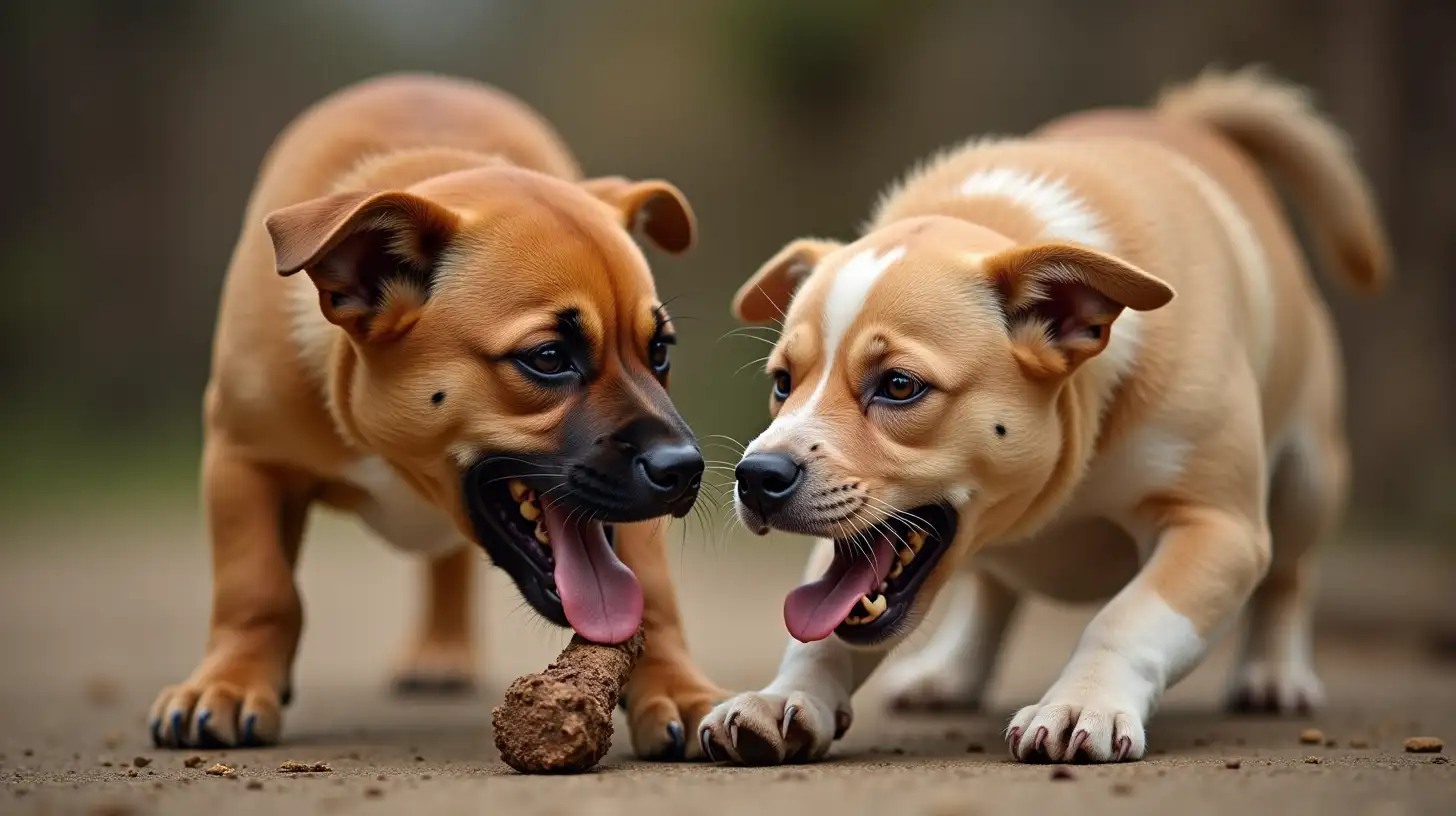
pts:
[657, 356]
[550, 362]
[897, 386]
[782, 385]
[547, 360]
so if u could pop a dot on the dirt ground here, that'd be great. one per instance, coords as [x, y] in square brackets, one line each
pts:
[95, 617]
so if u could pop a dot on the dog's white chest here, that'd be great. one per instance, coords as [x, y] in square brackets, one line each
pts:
[397, 513]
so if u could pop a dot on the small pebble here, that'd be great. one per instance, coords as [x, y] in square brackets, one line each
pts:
[141, 761]
[255, 784]
[1440, 760]
[1312, 760]
[131, 772]
[373, 792]
[1359, 743]
[419, 758]
[380, 778]
[1311, 736]
[193, 762]
[975, 748]
[1233, 764]
[291, 766]
[1062, 772]
[218, 769]
[1424, 745]
[107, 764]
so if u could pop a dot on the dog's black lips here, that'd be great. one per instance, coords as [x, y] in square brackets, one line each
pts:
[939, 523]
[506, 537]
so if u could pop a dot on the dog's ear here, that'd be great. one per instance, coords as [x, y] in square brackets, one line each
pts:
[371, 255]
[765, 296]
[1061, 301]
[659, 208]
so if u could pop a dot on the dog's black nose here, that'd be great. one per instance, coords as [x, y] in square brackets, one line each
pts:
[673, 471]
[766, 481]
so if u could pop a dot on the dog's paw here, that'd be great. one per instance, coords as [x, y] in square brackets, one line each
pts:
[436, 670]
[216, 714]
[1289, 688]
[664, 707]
[770, 729]
[1096, 729]
[919, 685]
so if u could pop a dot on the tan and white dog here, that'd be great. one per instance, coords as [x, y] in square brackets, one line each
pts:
[996, 388]
[476, 355]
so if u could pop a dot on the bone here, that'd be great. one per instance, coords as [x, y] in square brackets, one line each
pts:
[560, 721]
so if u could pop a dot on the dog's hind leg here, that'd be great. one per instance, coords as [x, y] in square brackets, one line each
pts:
[441, 658]
[1275, 672]
[952, 671]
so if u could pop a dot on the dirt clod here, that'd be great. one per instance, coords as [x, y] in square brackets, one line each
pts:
[131, 772]
[975, 748]
[193, 762]
[141, 761]
[373, 793]
[1311, 736]
[560, 721]
[1312, 760]
[255, 784]
[1233, 764]
[291, 766]
[1424, 745]
[1063, 773]
[219, 769]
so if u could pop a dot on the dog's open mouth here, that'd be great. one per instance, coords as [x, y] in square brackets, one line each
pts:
[870, 586]
[562, 561]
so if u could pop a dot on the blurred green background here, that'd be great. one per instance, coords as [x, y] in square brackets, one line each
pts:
[136, 129]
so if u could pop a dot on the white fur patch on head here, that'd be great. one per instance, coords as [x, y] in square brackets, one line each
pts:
[1064, 214]
[847, 295]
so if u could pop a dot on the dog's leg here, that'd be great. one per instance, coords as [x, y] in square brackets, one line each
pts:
[1275, 672]
[952, 671]
[667, 695]
[806, 707]
[441, 659]
[1206, 563]
[256, 517]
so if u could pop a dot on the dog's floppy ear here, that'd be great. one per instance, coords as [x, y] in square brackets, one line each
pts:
[1062, 299]
[371, 255]
[659, 208]
[765, 296]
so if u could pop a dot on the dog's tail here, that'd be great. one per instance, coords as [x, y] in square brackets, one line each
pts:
[1277, 125]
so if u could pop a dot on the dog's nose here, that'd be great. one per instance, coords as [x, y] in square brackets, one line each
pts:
[766, 481]
[672, 471]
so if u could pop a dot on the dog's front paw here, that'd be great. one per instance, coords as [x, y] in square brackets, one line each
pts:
[1289, 687]
[918, 684]
[665, 703]
[770, 729]
[1099, 728]
[216, 713]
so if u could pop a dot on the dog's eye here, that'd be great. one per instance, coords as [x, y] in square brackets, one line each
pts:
[658, 357]
[897, 386]
[782, 385]
[548, 361]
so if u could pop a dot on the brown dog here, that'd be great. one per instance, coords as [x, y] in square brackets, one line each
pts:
[476, 354]
[996, 386]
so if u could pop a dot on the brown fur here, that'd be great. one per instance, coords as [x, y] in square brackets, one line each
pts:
[440, 223]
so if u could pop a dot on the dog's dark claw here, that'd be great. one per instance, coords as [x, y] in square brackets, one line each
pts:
[179, 736]
[248, 726]
[156, 727]
[679, 746]
[707, 742]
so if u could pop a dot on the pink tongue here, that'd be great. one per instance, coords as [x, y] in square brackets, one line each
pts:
[601, 597]
[812, 611]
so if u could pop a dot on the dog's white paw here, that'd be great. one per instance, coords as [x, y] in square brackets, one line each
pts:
[761, 728]
[925, 685]
[1285, 687]
[1098, 727]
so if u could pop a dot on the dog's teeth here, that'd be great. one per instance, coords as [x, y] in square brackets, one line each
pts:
[897, 569]
[906, 556]
[541, 534]
[873, 608]
[530, 510]
[917, 540]
[518, 489]
[853, 621]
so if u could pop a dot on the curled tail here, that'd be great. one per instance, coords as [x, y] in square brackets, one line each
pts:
[1276, 124]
